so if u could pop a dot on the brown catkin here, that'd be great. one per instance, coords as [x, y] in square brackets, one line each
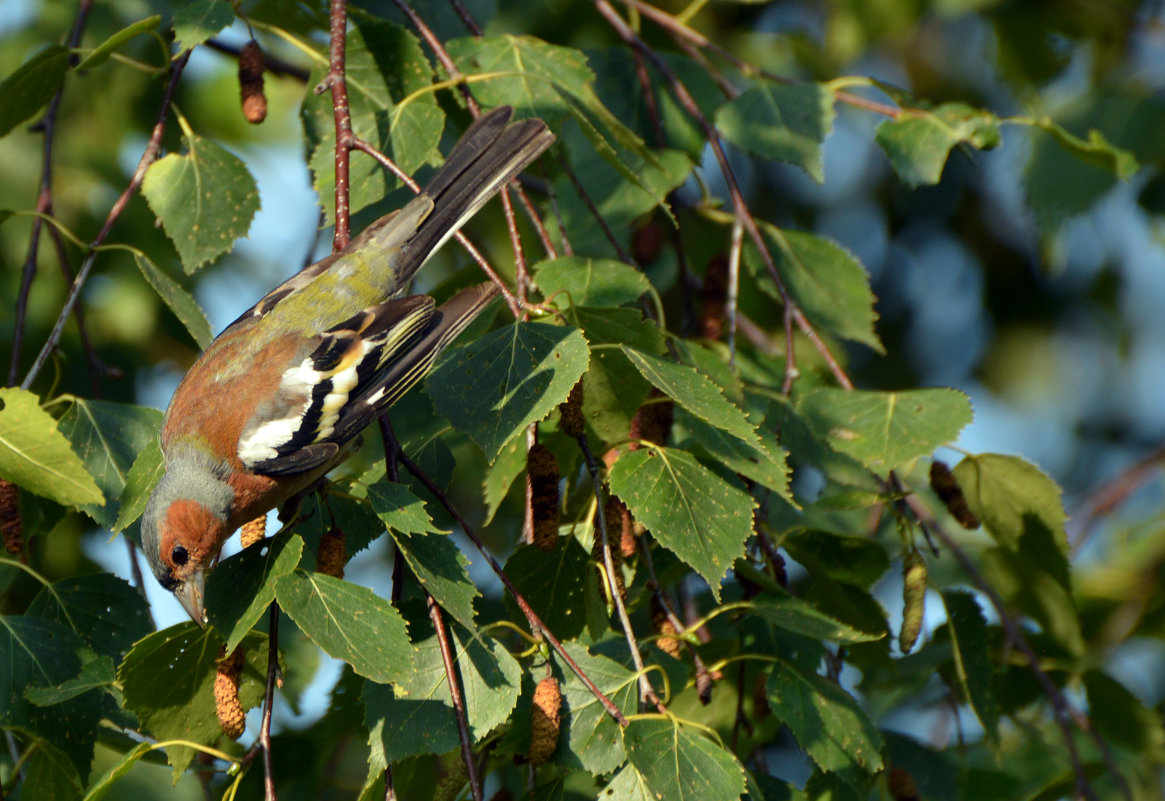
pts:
[614, 523]
[626, 528]
[712, 297]
[251, 66]
[667, 641]
[914, 599]
[11, 525]
[542, 469]
[947, 488]
[653, 421]
[647, 241]
[544, 721]
[231, 717]
[332, 554]
[572, 412]
[901, 785]
[253, 531]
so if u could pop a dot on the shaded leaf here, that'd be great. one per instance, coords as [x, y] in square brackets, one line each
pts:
[432, 556]
[102, 609]
[96, 673]
[783, 122]
[968, 632]
[349, 622]
[108, 437]
[140, 481]
[553, 583]
[181, 302]
[793, 614]
[35, 455]
[919, 141]
[677, 764]
[100, 788]
[100, 54]
[689, 509]
[590, 282]
[493, 388]
[765, 463]
[195, 21]
[884, 430]
[31, 86]
[205, 199]
[590, 738]
[241, 588]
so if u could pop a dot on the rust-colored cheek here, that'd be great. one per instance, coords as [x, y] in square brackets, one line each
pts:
[192, 526]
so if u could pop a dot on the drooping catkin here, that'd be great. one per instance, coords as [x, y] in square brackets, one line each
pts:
[11, 525]
[252, 63]
[713, 294]
[253, 531]
[947, 488]
[667, 641]
[332, 554]
[914, 599]
[571, 411]
[652, 422]
[625, 533]
[545, 721]
[901, 785]
[542, 469]
[614, 523]
[231, 717]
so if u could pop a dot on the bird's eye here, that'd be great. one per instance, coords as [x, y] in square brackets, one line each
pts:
[179, 556]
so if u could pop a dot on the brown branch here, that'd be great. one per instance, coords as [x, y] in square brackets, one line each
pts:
[44, 200]
[148, 155]
[337, 81]
[268, 698]
[1062, 710]
[624, 256]
[741, 210]
[531, 616]
[521, 270]
[455, 693]
[466, 18]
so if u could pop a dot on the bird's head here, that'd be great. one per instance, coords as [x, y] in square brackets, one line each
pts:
[184, 525]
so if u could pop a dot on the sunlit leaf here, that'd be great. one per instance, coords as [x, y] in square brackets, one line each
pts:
[37, 456]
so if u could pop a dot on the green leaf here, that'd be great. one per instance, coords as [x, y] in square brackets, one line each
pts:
[764, 463]
[100, 54]
[885, 430]
[590, 282]
[430, 553]
[500, 475]
[783, 122]
[195, 21]
[628, 785]
[35, 455]
[43, 653]
[792, 614]
[95, 674]
[854, 560]
[1095, 150]
[139, 483]
[679, 765]
[204, 199]
[553, 583]
[384, 64]
[1121, 718]
[168, 682]
[827, 722]
[918, 142]
[1011, 496]
[590, 738]
[349, 622]
[102, 609]
[493, 388]
[181, 302]
[26, 91]
[241, 588]
[613, 390]
[826, 280]
[526, 70]
[416, 716]
[968, 632]
[48, 774]
[690, 510]
[108, 437]
[105, 782]
[693, 391]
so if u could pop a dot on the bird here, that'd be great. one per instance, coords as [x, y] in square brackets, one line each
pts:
[279, 398]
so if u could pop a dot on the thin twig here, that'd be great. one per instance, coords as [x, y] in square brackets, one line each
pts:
[531, 616]
[624, 256]
[455, 693]
[337, 81]
[268, 698]
[1112, 494]
[466, 18]
[521, 271]
[734, 287]
[271, 64]
[44, 199]
[1062, 710]
[646, 691]
[148, 155]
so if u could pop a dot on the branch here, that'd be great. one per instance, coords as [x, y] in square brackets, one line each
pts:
[268, 698]
[535, 622]
[337, 81]
[151, 152]
[455, 693]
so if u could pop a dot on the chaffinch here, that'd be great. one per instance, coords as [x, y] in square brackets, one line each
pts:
[277, 399]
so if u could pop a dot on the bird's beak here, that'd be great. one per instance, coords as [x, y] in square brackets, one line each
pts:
[189, 594]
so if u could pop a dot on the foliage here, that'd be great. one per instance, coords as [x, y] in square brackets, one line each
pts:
[720, 608]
